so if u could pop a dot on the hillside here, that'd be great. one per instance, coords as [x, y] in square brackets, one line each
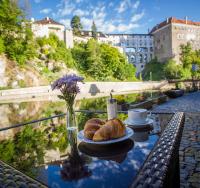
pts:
[30, 61]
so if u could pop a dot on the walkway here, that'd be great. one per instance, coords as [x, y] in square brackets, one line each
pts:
[189, 153]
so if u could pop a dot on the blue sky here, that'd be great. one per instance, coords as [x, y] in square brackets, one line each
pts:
[116, 16]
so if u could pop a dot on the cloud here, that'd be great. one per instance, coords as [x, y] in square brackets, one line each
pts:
[87, 23]
[80, 12]
[136, 4]
[137, 17]
[127, 28]
[122, 7]
[108, 16]
[65, 9]
[45, 11]
[66, 22]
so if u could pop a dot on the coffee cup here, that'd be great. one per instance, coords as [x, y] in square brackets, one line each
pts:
[137, 115]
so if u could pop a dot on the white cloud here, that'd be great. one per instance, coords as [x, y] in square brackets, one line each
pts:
[45, 11]
[137, 17]
[80, 12]
[67, 9]
[102, 14]
[127, 28]
[122, 7]
[66, 22]
[136, 4]
[87, 23]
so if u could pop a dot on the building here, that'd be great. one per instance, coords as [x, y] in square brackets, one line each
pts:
[47, 25]
[137, 47]
[170, 34]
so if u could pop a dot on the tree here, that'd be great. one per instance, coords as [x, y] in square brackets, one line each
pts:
[186, 55]
[10, 18]
[2, 47]
[154, 68]
[94, 30]
[172, 70]
[76, 25]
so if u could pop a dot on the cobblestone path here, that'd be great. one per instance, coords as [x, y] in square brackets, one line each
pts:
[189, 152]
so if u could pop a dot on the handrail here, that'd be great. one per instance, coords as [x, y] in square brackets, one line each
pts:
[60, 115]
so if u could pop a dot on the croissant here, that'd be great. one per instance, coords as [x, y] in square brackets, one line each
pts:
[91, 126]
[113, 128]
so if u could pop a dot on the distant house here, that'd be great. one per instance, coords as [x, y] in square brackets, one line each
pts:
[86, 35]
[47, 25]
[171, 33]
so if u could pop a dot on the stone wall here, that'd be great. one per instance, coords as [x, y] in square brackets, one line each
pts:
[87, 90]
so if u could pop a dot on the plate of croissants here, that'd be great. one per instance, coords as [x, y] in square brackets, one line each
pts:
[97, 131]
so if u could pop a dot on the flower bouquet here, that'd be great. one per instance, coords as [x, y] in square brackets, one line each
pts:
[69, 89]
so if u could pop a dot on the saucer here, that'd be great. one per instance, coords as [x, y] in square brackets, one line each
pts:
[147, 122]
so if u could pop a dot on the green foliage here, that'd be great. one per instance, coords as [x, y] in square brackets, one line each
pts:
[186, 55]
[7, 150]
[76, 25]
[172, 70]
[156, 68]
[27, 149]
[2, 47]
[94, 30]
[55, 49]
[102, 62]
[58, 138]
[18, 40]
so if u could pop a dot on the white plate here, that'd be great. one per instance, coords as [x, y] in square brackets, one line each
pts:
[129, 133]
[148, 122]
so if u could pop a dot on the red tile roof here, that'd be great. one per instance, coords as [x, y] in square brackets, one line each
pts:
[47, 21]
[174, 20]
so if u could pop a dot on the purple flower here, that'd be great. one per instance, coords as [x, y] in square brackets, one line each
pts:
[69, 81]
[68, 87]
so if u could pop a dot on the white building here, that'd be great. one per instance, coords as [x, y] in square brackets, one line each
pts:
[47, 25]
[137, 47]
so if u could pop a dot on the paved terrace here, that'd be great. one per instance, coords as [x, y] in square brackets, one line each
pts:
[189, 153]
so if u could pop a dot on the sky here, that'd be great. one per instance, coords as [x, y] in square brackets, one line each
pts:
[115, 16]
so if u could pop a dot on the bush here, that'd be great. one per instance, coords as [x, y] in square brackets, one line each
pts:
[102, 62]
[172, 70]
[156, 68]
[2, 47]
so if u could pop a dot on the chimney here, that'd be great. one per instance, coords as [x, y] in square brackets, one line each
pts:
[167, 20]
[186, 19]
[47, 18]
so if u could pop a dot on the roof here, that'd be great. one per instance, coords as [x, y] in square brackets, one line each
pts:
[133, 34]
[174, 20]
[87, 33]
[46, 21]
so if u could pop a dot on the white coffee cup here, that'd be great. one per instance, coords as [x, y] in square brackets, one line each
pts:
[137, 115]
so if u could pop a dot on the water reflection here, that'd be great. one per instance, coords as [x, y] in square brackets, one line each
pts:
[116, 152]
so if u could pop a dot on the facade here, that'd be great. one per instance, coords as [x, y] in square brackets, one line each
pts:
[47, 25]
[137, 47]
[170, 34]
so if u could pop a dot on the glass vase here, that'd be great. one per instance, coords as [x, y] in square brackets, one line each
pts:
[71, 128]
